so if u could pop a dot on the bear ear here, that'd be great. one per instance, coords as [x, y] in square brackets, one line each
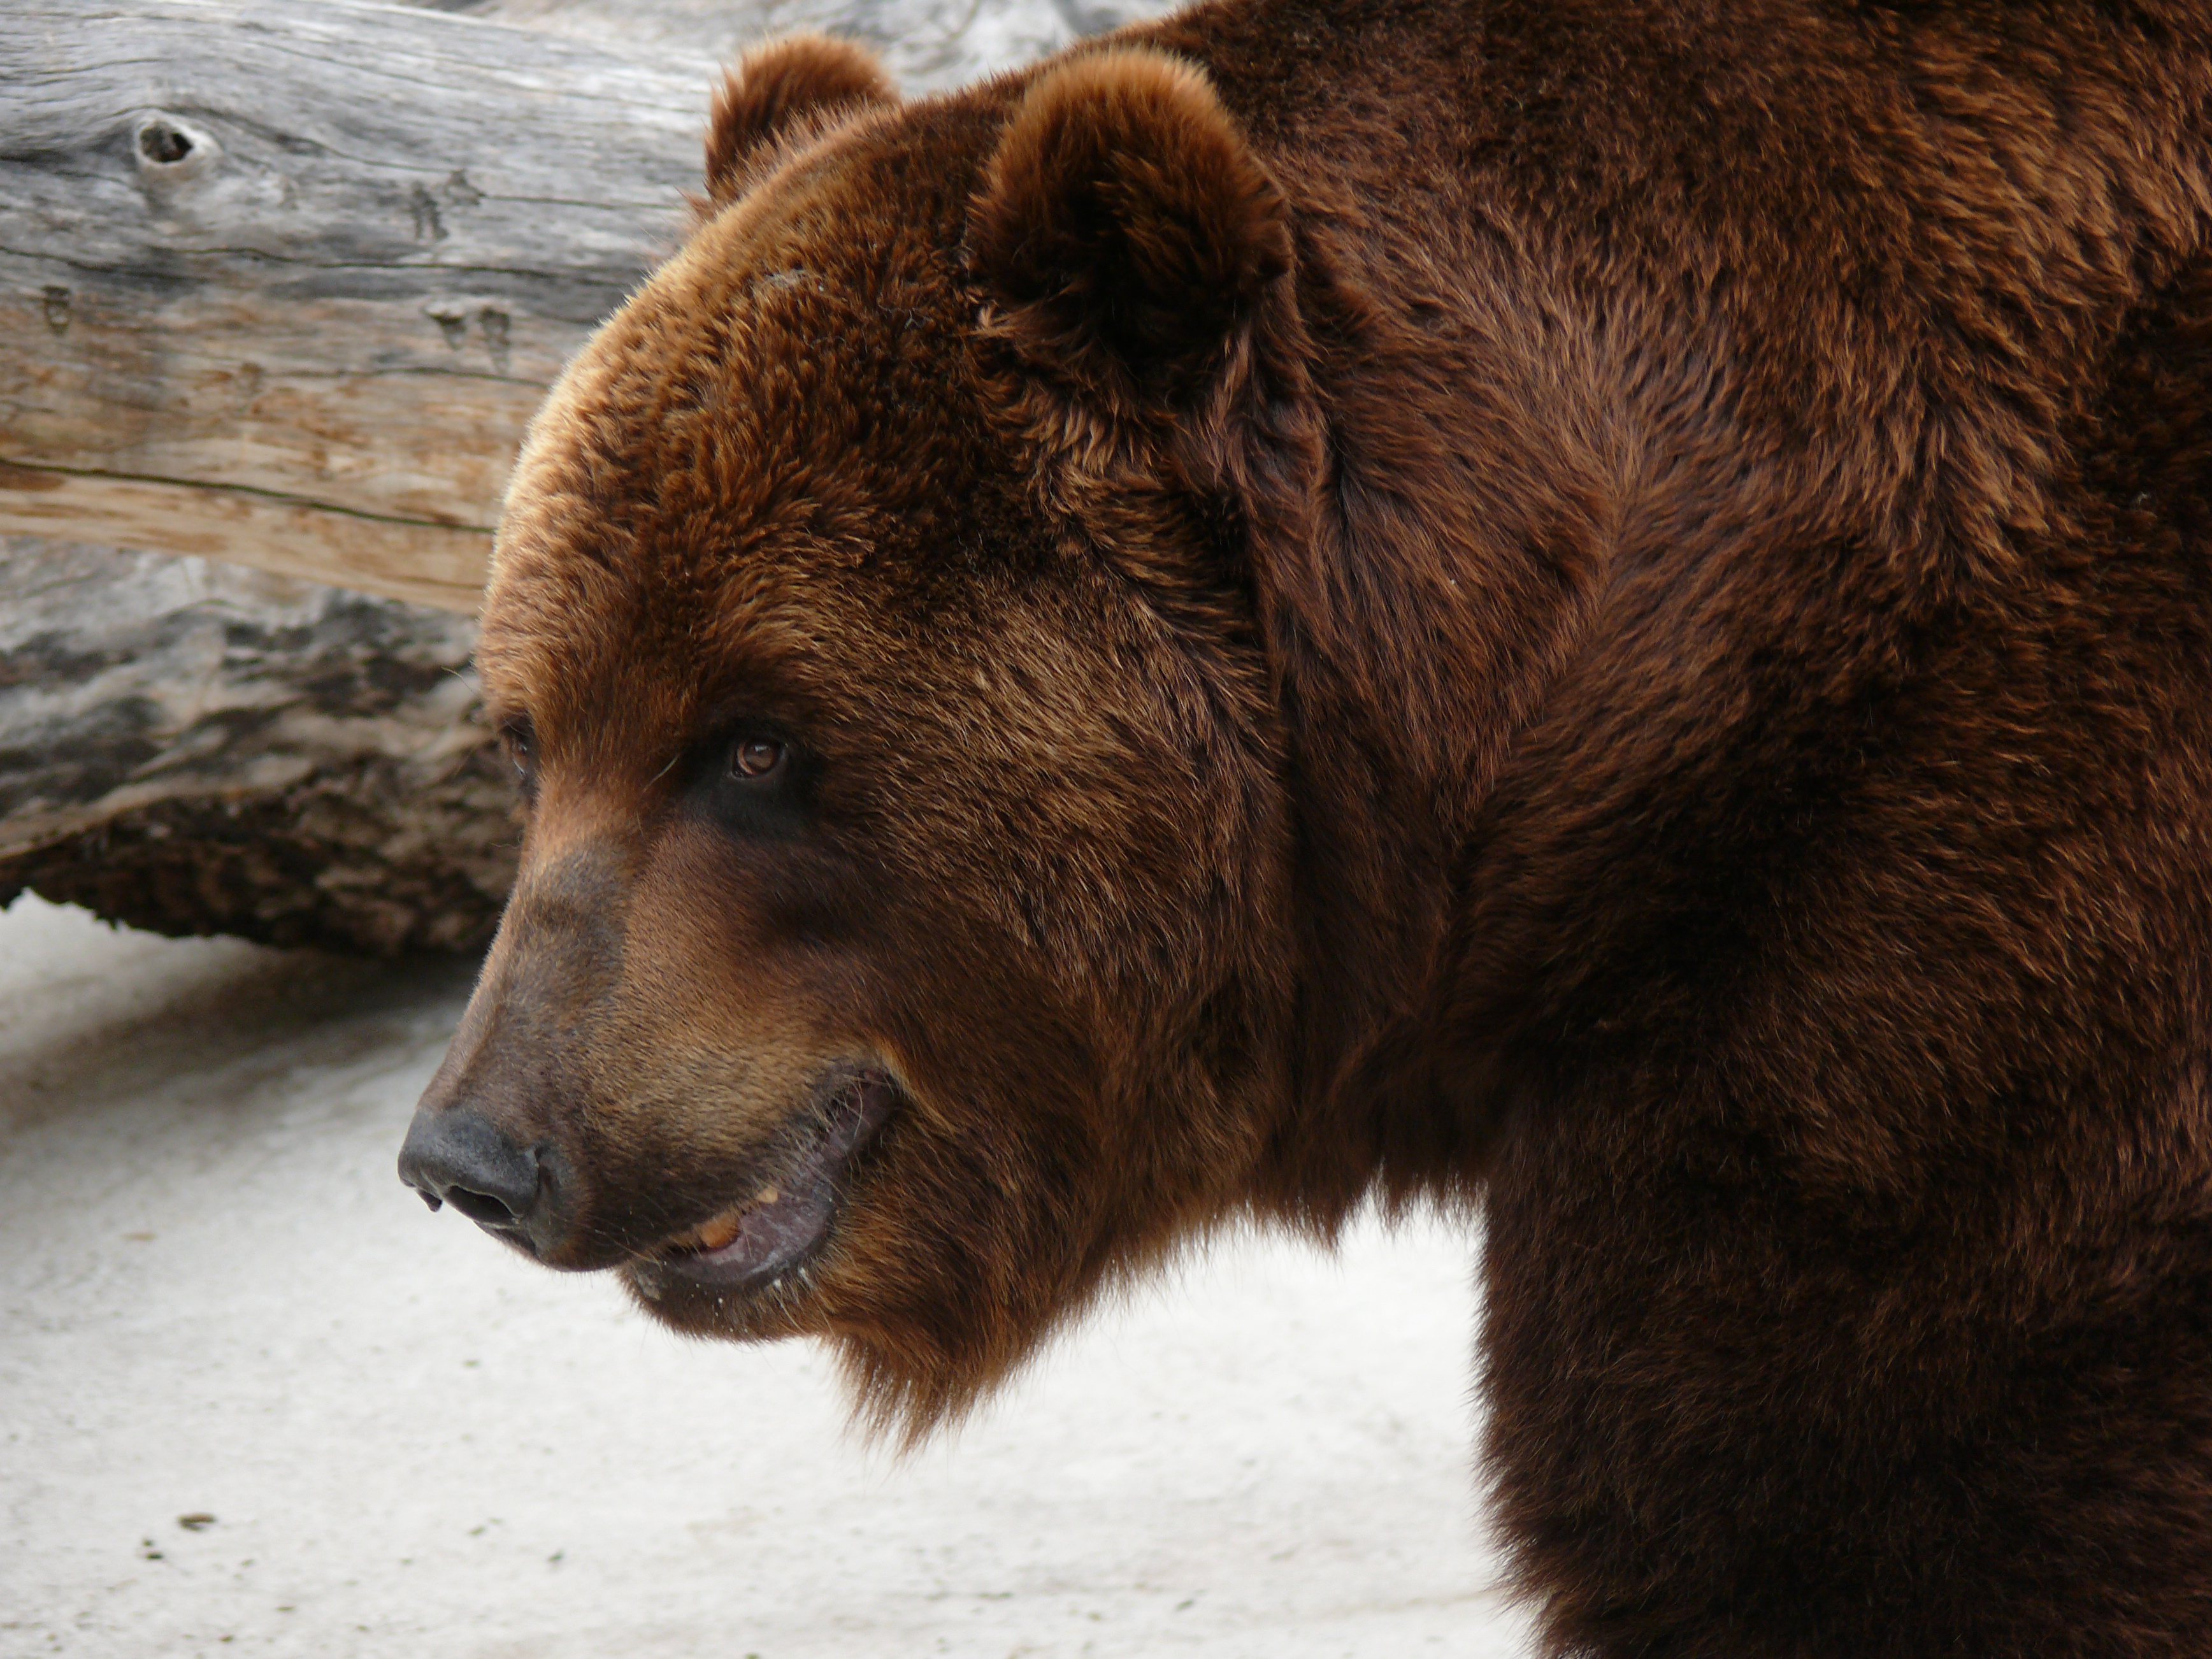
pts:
[1125, 227]
[775, 87]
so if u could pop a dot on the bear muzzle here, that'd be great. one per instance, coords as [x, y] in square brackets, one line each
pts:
[777, 1229]
[461, 1157]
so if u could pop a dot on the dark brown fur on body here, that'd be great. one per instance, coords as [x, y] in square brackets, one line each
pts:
[1602, 610]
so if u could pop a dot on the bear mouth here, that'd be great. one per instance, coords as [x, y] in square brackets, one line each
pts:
[781, 1226]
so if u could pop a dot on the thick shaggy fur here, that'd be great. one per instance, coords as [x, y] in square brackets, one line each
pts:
[788, 89]
[1602, 608]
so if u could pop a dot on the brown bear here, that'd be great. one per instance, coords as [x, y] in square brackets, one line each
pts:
[1595, 611]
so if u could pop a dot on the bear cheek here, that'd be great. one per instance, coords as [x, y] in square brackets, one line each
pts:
[722, 1038]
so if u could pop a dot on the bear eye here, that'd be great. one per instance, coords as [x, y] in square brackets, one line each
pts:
[754, 783]
[520, 742]
[754, 757]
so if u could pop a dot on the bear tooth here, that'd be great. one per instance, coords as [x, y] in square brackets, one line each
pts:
[719, 1231]
[767, 1195]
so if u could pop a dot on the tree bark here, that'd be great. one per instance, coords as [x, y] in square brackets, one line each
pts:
[195, 747]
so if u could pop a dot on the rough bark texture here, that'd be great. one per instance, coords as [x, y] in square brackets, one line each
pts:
[193, 747]
[280, 283]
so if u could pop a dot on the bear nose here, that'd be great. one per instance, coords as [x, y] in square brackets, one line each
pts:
[458, 1158]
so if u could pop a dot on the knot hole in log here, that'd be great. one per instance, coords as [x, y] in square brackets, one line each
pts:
[160, 142]
[170, 148]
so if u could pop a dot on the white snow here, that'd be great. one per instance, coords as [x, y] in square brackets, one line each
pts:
[215, 1298]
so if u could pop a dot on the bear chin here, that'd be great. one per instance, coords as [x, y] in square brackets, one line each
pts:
[707, 1277]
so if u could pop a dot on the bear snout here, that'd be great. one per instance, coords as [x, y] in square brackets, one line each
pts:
[461, 1157]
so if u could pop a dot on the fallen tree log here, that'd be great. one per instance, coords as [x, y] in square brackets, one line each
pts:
[282, 282]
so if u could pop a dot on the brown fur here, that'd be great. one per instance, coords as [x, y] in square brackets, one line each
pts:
[1126, 229]
[781, 92]
[1597, 608]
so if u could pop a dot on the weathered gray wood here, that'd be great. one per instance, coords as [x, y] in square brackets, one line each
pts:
[281, 281]
[928, 46]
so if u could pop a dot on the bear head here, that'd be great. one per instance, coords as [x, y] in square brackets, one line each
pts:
[902, 942]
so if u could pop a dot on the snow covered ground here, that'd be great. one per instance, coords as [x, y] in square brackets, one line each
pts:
[216, 1300]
